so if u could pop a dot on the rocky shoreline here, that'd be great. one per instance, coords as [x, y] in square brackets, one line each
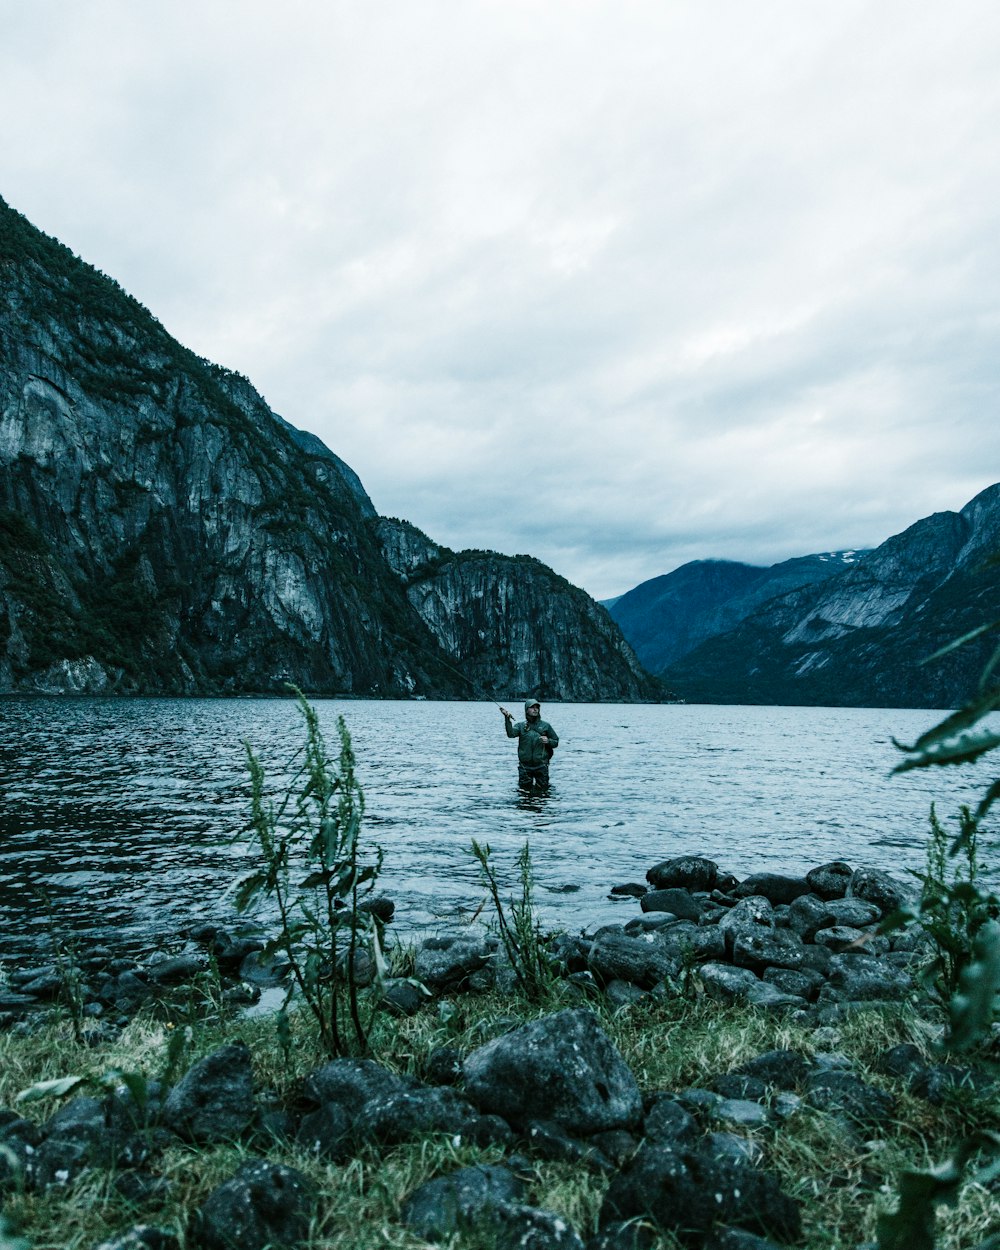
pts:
[806, 950]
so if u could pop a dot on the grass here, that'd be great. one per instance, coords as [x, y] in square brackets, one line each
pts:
[843, 1179]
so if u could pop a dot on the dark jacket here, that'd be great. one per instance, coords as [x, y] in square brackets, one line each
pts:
[530, 747]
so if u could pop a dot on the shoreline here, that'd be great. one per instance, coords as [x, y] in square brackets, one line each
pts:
[712, 1062]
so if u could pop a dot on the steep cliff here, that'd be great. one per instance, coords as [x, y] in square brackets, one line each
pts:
[860, 638]
[669, 616]
[161, 530]
[488, 611]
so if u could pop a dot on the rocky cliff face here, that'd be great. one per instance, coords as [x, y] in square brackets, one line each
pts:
[860, 638]
[488, 611]
[668, 616]
[161, 530]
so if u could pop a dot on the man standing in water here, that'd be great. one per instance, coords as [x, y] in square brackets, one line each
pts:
[536, 742]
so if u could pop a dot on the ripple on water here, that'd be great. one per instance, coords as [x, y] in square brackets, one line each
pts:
[128, 812]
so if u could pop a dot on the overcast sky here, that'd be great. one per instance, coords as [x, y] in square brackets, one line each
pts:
[620, 285]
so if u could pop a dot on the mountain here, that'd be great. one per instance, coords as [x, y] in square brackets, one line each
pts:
[163, 531]
[860, 637]
[488, 611]
[668, 616]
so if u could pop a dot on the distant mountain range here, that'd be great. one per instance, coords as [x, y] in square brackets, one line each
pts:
[846, 628]
[163, 531]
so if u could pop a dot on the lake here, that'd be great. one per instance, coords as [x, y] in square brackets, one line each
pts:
[125, 814]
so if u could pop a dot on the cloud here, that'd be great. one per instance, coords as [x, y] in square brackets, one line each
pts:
[621, 286]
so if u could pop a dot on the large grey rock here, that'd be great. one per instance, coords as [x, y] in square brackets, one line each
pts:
[848, 1095]
[806, 914]
[449, 961]
[350, 1083]
[681, 903]
[726, 983]
[830, 880]
[424, 1110]
[773, 886]
[860, 979]
[265, 1205]
[329, 1131]
[562, 1067]
[693, 1190]
[856, 912]
[760, 948]
[641, 960]
[214, 1101]
[878, 887]
[690, 872]
[749, 915]
[781, 1069]
[484, 1202]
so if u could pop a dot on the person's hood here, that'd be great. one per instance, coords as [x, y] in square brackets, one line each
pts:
[531, 703]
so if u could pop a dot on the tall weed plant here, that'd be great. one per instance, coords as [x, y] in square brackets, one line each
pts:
[311, 867]
[517, 923]
[962, 920]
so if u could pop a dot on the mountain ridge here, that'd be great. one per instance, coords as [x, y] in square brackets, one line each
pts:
[163, 531]
[864, 636]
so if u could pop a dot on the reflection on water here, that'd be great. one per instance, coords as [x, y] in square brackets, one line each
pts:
[126, 814]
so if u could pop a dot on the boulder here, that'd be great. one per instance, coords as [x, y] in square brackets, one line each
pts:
[748, 915]
[449, 961]
[878, 887]
[484, 1201]
[772, 886]
[759, 948]
[726, 983]
[693, 1190]
[214, 1101]
[780, 1069]
[407, 1113]
[855, 912]
[681, 903]
[690, 872]
[640, 960]
[327, 1132]
[845, 1094]
[830, 880]
[562, 1067]
[350, 1083]
[263, 1205]
[861, 979]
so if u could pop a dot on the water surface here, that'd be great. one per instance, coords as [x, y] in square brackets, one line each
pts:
[125, 814]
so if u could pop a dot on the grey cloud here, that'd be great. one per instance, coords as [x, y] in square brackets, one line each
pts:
[603, 285]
